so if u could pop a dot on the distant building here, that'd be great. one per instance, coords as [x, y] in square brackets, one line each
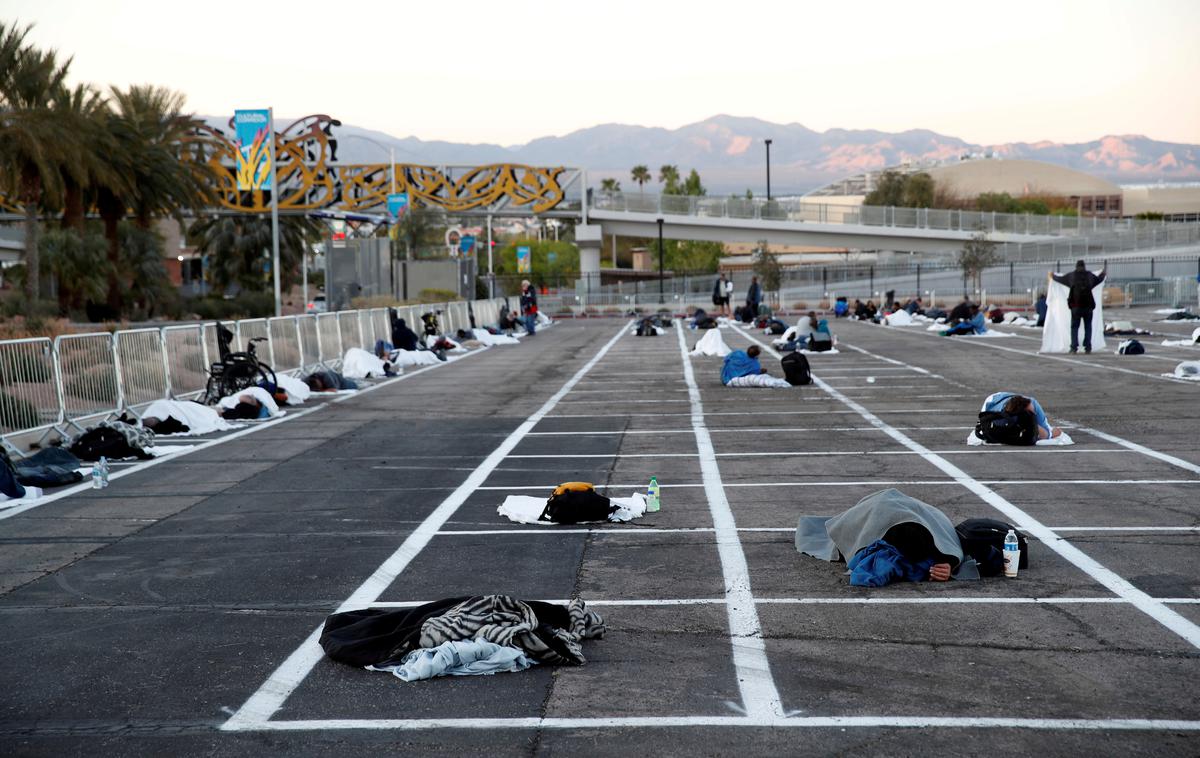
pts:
[973, 176]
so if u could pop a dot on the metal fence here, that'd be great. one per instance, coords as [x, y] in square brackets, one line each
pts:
[1177, 292]
[60, 385]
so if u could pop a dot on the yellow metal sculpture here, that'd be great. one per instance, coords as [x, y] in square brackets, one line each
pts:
[311, 179]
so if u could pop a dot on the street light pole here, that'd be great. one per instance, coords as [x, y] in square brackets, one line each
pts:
[768, 142]
[661, 298]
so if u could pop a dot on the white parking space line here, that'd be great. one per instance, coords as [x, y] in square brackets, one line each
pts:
[1115, 583]
[876, 483]
[822, 454]
[1125, 528]
[929, 600]
[256, 712]
[760, 697]
[707, 414]
[1143, 450]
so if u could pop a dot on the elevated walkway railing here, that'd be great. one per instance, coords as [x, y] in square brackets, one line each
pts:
[59, 386]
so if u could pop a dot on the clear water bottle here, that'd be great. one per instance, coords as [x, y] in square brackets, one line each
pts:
[103, 472]
[1012, 553]
[97, 477]
[652, 502]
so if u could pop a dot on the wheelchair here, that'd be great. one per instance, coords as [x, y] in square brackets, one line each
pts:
[236, 371]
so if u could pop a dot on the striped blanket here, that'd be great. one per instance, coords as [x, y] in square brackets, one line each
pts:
[508, 621]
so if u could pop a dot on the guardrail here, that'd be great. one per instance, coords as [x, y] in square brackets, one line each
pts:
[56, 386]
[1177, 292]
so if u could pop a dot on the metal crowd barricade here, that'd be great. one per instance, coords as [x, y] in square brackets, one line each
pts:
[366, 327]
[141, 367]
[187, 359]
[285, 343]
[254, 328]
[310, 343]
[383, 327]
[29, 388]
[348, 328]
[87, 369]
[330, 339]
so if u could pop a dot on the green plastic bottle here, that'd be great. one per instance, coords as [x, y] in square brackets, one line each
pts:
[652, 502]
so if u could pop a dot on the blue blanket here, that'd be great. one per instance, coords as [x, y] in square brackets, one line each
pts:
[880, 563]
[738, 364]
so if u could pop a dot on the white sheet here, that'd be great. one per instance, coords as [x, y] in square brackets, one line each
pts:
[1189, 370]
[158, 451]
[711, 344]
[259, 394]
[1195, 340]
[487, 338]
[899, 318]
[1061, 440]
[200, 419]
[1056, 335]
[525, 509]
[359, 364]
[414, 358]
[31, 494]
[297, 391]
[760, 380]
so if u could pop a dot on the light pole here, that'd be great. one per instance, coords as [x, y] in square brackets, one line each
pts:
[768, 143]
[661, 298]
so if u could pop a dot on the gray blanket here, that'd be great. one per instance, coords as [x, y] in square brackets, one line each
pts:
[844, 535]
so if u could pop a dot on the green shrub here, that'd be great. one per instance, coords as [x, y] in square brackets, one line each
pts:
[436, 295]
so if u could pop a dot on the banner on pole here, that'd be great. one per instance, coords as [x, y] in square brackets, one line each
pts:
[253, 129]
[397, 204]
[523, 259]
[466, 243]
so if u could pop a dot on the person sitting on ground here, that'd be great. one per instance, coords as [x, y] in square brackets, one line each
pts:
[996, 315]
[742, 369]
[403, 337]
[840, 308]
[860, 310]
[1011, 403]
[820, 338]
[872, 310]
[913, 306]
[961, 312]
[975, 324]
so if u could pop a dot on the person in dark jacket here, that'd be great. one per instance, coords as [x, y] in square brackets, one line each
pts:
[1041, 309]
[529, 306]
[404, 338]
[960, 312]
[1081, 302]
[754, 296]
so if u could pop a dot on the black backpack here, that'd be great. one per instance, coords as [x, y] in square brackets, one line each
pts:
[576, 503]
[820, 342]
[795, 369]
[983, 540]
[1131, 347]
[1007, 428]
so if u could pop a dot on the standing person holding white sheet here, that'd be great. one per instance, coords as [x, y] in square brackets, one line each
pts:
[1072, 300]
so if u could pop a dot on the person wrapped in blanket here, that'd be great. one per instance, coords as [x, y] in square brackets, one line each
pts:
[888, 537]
[742, 369]
[327, 380]
[252, 403]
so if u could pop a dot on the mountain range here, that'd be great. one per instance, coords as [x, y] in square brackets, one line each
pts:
[728, 152]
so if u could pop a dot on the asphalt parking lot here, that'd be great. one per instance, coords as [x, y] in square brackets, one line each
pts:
[177, 611]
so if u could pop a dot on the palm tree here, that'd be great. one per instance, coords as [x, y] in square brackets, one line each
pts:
[237, 243]
[152, 175]
[85, 112]
[33, 142]
[610, 185]
[668, 175]
[641, 175]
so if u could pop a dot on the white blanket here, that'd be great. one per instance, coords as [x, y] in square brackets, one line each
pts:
[487, 338]
[262, 396]
[759, 380]
[1062, 439]
[1195, 340]
[899, 318]
[543, 320]
[297, 391]
[712, 344]
[359, 364]
[31, 494]
[1056, 336]
[158, 451]
[1187, 370]
[200, 419]
[414, 358]
[524, 509]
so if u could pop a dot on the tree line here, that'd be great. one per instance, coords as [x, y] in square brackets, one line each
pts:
[91, 170]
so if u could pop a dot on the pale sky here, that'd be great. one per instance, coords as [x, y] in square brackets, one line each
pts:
[506, 71]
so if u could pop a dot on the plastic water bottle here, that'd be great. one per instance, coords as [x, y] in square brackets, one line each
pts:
[103, 472]
[97, 477]
[652, 502]
[1012, 553]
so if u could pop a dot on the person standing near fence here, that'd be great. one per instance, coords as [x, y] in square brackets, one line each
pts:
[754, 296]
[529, 307]
[1081, 302]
